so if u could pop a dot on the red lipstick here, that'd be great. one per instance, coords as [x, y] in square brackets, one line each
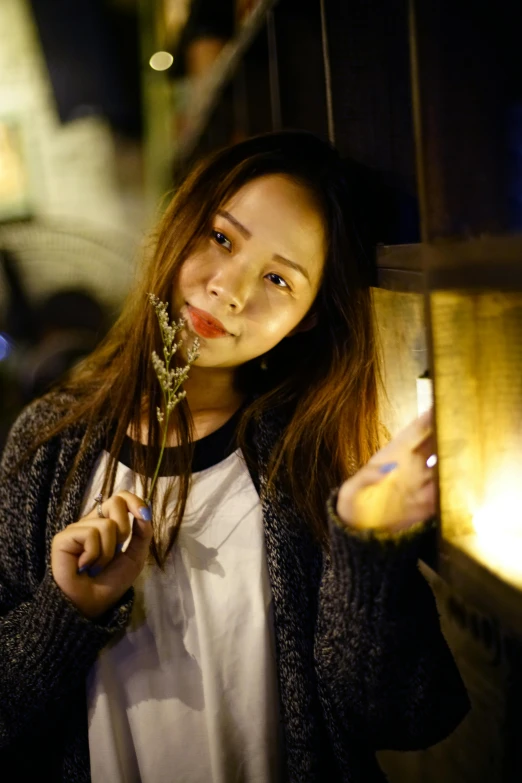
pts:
[205, 324]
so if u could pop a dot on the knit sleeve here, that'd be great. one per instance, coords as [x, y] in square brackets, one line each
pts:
[46, 645]
[385, 672]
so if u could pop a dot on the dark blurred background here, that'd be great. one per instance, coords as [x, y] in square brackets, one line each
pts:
[73, 207]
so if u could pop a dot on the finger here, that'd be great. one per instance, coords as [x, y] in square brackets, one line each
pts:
[417, 430]
[426, 498]
[427, 476]
[420, 506]
[370, 474]
[140, 520]
[117, 508]
[421, 435]
[426, 447]
[124, 507]
[135, 505]
[108, 533]
[122, 523]
[82, 541]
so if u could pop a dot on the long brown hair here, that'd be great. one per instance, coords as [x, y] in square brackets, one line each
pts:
[326, 378]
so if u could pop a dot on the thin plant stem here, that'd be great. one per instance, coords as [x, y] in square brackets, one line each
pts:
[165, 428]
[154, 478]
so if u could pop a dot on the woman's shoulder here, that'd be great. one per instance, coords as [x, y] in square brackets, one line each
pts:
[45, 411]
[39, 416]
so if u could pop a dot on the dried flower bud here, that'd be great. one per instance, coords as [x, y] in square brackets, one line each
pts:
[170, 379]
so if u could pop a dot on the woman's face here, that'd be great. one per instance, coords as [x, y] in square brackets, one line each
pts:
[257, 272]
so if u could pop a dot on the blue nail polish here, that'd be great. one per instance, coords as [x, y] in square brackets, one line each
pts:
[388, 467]
[119, 547]
[145, 513]
[82, 570]
[95, 570]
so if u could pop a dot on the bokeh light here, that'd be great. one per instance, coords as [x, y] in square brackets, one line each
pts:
[161, 61]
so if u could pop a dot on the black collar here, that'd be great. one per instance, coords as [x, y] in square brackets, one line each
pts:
[208, 451]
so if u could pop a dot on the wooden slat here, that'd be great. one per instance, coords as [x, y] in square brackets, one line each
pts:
[400, 280]
[399, 268]
[493, 263]
[480, 586]
[403, 257]
[478, 263]
[204, 99]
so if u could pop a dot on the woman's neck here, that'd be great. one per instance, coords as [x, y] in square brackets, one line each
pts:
[212, 398]
[212, 389]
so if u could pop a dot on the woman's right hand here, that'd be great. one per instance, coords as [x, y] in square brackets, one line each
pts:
[92, 543]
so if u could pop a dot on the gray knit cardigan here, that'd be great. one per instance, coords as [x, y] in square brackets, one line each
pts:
[361, 660]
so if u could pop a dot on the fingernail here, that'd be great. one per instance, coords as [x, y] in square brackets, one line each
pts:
[145, 513]
[82, 569]
[119, 547]
[95, 570]
[388, 467]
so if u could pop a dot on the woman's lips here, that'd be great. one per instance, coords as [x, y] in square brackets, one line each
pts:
[205, 324]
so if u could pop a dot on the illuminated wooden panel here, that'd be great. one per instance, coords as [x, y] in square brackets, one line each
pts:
[400, 321]
[477, 357]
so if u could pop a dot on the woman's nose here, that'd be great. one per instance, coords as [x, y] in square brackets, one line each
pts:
[230, 289]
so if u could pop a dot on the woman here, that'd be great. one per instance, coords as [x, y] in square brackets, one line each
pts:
[262, 626]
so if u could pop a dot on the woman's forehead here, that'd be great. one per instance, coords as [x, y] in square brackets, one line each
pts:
[275, 207]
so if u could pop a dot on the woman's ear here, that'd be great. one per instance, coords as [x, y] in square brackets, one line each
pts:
[308, 322]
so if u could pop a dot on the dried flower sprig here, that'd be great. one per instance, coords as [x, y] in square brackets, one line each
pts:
[170, 380]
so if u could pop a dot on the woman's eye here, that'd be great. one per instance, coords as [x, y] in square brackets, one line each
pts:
[279, 282]
[222, 240]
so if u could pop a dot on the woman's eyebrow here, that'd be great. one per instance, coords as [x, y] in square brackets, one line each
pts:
[240, 227]
[247, 234]
[292, 265]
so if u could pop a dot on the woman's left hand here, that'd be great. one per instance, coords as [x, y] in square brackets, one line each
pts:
[396, 489]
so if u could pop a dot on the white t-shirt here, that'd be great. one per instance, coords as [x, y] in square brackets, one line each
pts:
[189, 692]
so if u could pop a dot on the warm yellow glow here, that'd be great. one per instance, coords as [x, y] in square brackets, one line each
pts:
[477, 353]
[500, 518]
[160, 61]
[498, 528]
[501, 509]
